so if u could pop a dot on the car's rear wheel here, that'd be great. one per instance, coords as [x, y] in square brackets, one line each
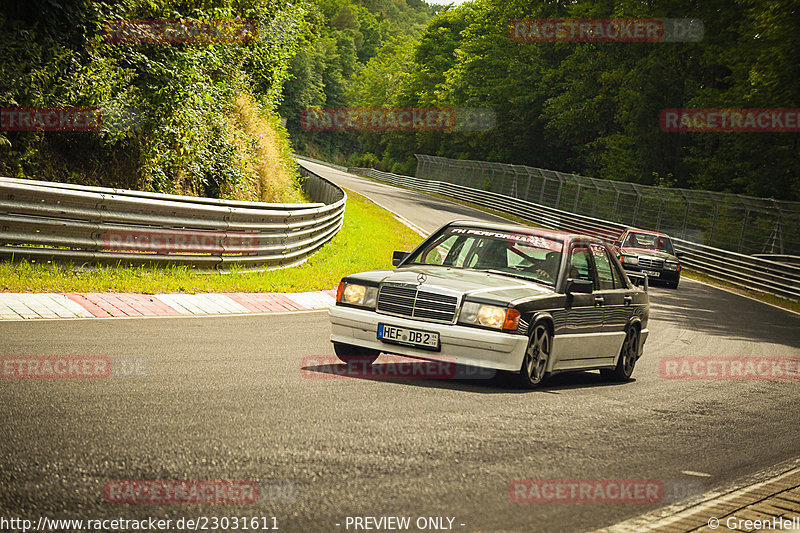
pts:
[627, 358]
[348, 353]
[537, 355]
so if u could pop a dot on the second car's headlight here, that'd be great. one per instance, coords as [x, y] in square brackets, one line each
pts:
[671, 266]
[629, 259]
[355, 294]
[490, 316]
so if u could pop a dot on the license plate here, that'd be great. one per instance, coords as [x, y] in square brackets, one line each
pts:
[652, 273]
[409, 337]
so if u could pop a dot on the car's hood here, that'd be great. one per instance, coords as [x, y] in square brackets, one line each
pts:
[648, 252]
[485, 285]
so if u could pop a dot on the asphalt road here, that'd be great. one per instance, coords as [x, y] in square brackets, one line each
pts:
[236, 398]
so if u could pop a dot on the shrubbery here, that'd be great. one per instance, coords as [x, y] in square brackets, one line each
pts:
[188, 118]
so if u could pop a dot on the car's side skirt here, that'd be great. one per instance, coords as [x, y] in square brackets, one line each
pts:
[585, 350]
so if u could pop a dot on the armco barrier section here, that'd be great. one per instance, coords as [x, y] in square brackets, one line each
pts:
[47, 221]
[735, 222]
[743, 270]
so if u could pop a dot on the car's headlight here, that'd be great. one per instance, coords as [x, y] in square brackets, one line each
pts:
[672, 266]
[629, 259]
[355, 294]
[490, 316]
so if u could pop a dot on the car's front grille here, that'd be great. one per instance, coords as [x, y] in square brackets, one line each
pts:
[651, 262]
[413, 302]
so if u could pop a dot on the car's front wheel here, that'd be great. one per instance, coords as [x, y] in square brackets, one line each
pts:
[348, 353]
[537, 355]
[627, 358]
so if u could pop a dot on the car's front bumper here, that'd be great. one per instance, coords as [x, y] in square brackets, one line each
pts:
[663, 275]
[459, 344]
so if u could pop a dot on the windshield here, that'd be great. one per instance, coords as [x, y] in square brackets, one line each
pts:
[648, 241]
[516, 254]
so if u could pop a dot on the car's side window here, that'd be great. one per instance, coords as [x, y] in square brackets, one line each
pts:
[604, 275]
[580, 264]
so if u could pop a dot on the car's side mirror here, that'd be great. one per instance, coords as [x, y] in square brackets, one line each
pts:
[639, 280]
[579, 286]
[399, 257]
[679, 254]
[618, 244]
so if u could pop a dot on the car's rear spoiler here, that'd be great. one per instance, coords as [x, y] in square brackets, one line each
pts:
[640, 279]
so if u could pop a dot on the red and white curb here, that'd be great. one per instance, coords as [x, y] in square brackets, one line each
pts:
[19, 306]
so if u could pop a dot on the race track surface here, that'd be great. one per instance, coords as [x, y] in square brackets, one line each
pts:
[258, 398]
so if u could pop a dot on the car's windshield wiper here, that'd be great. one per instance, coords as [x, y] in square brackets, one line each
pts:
[511, 275]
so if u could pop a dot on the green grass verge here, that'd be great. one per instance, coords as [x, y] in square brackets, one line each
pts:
[365, 242]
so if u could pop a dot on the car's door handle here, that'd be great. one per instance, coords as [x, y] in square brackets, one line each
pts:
[599, 300]
[628, 300]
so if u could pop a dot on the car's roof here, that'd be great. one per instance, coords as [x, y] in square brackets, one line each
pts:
[648, 232]
[556, 235]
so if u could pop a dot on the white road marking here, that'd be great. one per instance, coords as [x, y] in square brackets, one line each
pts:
[696, 474]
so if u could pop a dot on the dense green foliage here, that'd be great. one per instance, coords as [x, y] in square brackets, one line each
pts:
[593, 108]
[165, 106]
[348, 58]
[172, 123]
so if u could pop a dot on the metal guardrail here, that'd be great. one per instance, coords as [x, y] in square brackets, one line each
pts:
[743, 270]
[734, 222]
[46, 221]
[780, 258]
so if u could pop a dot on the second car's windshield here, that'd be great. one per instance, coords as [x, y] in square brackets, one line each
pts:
[648, 241]
[530, 256]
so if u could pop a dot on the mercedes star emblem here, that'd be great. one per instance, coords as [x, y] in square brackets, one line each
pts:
[422, 278]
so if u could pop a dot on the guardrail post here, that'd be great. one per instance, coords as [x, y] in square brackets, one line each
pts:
[530, 180]
[616, 201]
[544, 184]
[744, 229]
[596, 195]
[660, 210]
[420, 170]
[685, 215]
[560, 186]
[713, 223]
[636, 207]
[577, 198]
